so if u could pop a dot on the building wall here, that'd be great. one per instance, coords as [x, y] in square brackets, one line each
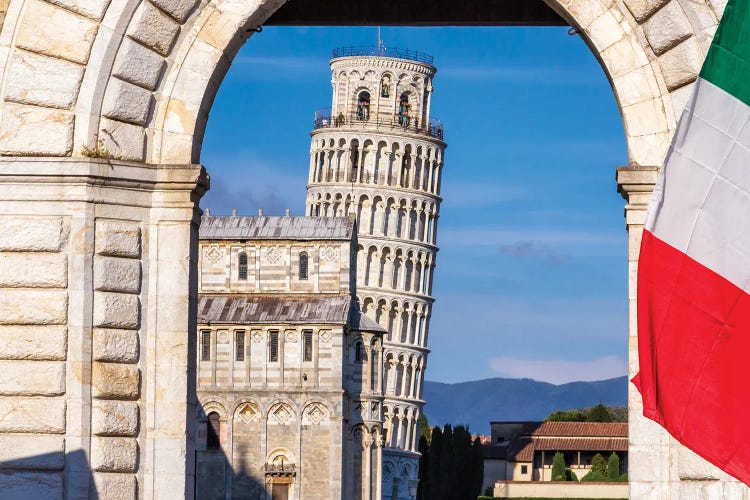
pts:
[273, 267]
[318, 415]
[494, 470]
[560, 490]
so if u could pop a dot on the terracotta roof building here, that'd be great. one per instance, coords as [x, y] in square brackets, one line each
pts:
[523, 451]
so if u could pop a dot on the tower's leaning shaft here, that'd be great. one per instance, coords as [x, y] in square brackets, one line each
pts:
[377, 154]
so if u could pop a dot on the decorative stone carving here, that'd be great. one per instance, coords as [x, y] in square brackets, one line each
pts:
[248, 412]
[273, 255]
[214, 254]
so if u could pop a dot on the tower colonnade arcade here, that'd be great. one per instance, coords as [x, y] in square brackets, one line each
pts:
[408, 162]
[385, 172]
[399, 216]
[141, 77]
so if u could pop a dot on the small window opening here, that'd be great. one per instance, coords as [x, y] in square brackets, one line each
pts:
[374, 372]
[205, 345]
[359, 352]
[242, 272]
[213, 431]
[240, 346]
[524, 469]
[308, 346]
[363, 106]
[273, 351]
[385, 86]
[404, 109]
[303, 265]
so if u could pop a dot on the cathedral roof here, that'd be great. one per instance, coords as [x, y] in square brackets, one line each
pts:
[276, 228]
[364, 323]
[295, 309]
[289, 309]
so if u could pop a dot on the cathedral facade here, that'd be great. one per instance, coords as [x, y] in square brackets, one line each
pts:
[288, 370]
[312, 331]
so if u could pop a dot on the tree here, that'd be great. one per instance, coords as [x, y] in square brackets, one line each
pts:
[424, 427]
[446, 466]
[424, 469]
[451, 466]
[477, 452]
[598, 470]
[613, 467]
[598, 413]
[558, 467]
[462, 464]
[566, 416]
[433, 461]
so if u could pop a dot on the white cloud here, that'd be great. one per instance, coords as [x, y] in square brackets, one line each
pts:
[551, 76]
[560, 371]
[589, 243]
[247, 182]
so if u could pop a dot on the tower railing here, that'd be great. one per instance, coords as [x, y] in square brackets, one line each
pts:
[366, 120]
[370, 51]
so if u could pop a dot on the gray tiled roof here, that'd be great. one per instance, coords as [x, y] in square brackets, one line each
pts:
[276, 228]
[260, 309]
[364, 323]
[291, 309]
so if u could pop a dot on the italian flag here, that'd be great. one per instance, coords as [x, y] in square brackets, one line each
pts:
[694, 267]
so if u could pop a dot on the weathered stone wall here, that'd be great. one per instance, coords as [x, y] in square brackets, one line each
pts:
[76, 329]
[141, 76]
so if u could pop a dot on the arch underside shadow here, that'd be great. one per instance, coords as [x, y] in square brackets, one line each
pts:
[131, 84]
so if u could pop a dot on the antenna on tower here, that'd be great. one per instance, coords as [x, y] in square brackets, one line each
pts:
[381, 44]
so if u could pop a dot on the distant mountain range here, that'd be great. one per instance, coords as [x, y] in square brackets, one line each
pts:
[478, 402]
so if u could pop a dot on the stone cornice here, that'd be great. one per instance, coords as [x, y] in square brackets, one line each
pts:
[363, 63]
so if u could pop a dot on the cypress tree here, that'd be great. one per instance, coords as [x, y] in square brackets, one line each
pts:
[462, 464]
[558, 467]
[447, 466]
[424, 469]
[613, 467]
[434, 452]
[477, 452]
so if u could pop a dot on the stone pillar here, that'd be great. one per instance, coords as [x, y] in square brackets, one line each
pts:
[402, 389]
[97, 269]
[648, 442]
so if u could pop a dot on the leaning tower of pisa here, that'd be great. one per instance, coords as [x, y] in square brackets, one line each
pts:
[377, 154]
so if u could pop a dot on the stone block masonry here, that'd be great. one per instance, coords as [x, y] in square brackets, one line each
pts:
[33, 314]
[61, 57]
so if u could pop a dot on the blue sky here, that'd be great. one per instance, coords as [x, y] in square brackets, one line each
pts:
[532, 269]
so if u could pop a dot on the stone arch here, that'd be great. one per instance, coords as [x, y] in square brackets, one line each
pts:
[212, 405]
[144, 84]
[192, 49]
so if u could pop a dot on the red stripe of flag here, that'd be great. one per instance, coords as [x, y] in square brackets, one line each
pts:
[694, 340]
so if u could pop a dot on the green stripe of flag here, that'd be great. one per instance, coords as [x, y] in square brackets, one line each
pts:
[728, 61]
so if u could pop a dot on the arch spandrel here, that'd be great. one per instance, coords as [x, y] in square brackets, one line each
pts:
[650, 71]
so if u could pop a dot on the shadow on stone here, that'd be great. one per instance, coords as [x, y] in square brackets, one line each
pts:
[26, 475]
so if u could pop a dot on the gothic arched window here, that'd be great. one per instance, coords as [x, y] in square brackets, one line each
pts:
[303, 265]
[242, 270]
[213, 431]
